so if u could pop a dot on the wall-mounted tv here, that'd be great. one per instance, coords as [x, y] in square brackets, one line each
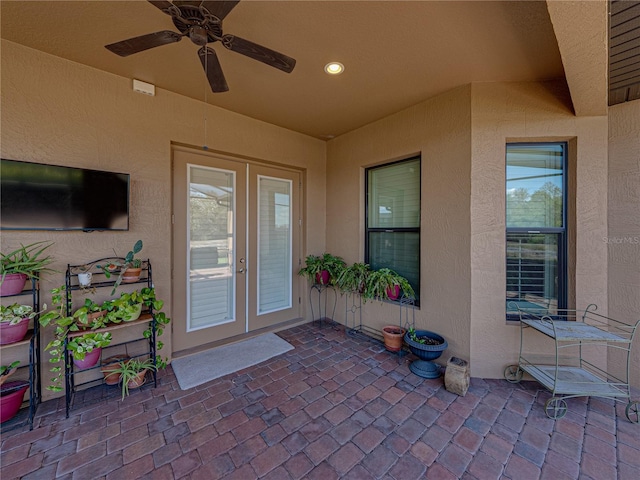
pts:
[37, 196]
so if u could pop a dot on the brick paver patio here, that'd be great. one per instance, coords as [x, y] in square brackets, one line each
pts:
[336, 406]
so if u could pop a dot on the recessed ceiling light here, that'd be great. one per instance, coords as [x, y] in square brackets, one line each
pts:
[334, 68]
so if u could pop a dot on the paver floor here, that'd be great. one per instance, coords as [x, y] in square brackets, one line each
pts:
[337, 406]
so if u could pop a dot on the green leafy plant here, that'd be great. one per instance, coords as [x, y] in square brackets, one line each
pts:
[380, 282]
[315, 264]
[81, 345]
[14, 313]
[28, 260]
[130, 371]
[353, 278]
[422, 340]
[125, 308]
[7, 370]
[155, 305]
[129, 261]
[64, 324]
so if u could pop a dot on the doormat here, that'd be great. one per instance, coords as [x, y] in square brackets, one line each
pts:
[202, 367]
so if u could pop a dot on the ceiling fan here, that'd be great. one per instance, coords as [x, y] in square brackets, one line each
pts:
[201, 21]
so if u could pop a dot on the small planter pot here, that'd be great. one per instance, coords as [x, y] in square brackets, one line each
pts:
[393, 292]
[13, 284]
[139, 380]
[13, 333]
[90, 359]
[11, 397]
[424, 367]
[393, 337]
[131, 275]
[135, 315]
[109, 365]
[323, 277]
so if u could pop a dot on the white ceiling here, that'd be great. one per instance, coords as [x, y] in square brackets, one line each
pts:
[396, 53]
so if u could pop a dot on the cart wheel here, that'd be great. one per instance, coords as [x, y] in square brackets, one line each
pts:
[555, 408]
[633, 412]
[513, 374]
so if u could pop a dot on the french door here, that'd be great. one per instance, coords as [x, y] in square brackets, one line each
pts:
[236, 245]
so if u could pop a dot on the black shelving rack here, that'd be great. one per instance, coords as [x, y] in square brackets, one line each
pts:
[32, 340]
[100, 280]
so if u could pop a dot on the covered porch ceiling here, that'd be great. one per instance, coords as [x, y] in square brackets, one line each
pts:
[396, 53]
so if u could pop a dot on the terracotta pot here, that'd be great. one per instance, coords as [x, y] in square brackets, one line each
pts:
[11, 397]
[13, 333]
[393, 337]
[138, 380]
[131, 275]
[13, 284]
[109, 365]
[90, 359]
[393, 292]
[322, 278]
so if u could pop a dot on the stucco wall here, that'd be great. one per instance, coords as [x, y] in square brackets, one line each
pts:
[529, 112]
[439, 130]
[56, 111]
[623, 239]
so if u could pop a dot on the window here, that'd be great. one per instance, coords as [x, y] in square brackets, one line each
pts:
[536, 227]
[392, 226]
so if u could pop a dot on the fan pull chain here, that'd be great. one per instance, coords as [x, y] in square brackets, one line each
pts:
[206, 69]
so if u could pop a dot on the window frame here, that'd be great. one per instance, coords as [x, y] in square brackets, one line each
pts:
[562, 232]
[418, 229]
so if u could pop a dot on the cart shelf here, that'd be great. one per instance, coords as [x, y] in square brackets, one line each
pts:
[571, 373]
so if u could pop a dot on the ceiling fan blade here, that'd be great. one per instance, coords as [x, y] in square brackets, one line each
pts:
[219, 8]
[258, 52]
[162, 5]
[144, 42]
[212, 69]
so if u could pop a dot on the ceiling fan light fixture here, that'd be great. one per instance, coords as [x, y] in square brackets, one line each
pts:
[334, 68]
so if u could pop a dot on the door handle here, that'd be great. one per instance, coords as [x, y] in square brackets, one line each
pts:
[242, 270]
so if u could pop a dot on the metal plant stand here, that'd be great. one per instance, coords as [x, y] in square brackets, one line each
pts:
[323, 302]
[353, 313]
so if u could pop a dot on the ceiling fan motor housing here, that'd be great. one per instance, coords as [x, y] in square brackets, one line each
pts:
[201, 28]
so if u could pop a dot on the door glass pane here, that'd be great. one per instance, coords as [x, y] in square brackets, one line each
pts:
[534, 185]
[532, 271]
[394, 196]
[211, 246]
[274, 244]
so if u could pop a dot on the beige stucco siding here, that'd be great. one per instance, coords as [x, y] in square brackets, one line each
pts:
[60, 112]
[439, 130]
[529, 112]
[623, 238]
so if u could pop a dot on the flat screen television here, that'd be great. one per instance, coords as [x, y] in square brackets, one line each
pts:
[37, 196]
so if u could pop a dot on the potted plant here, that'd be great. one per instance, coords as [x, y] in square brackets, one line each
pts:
[426, 346]
[322, 269]
[385, 284]
[11, 398]
[126, 308]
[133, 373]
[129, 269]
[86, 348]
[25, 262]
[14, 322]
[353, 278]
[393, 336]
[91, 315]
[64, 325]
[109, 368]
